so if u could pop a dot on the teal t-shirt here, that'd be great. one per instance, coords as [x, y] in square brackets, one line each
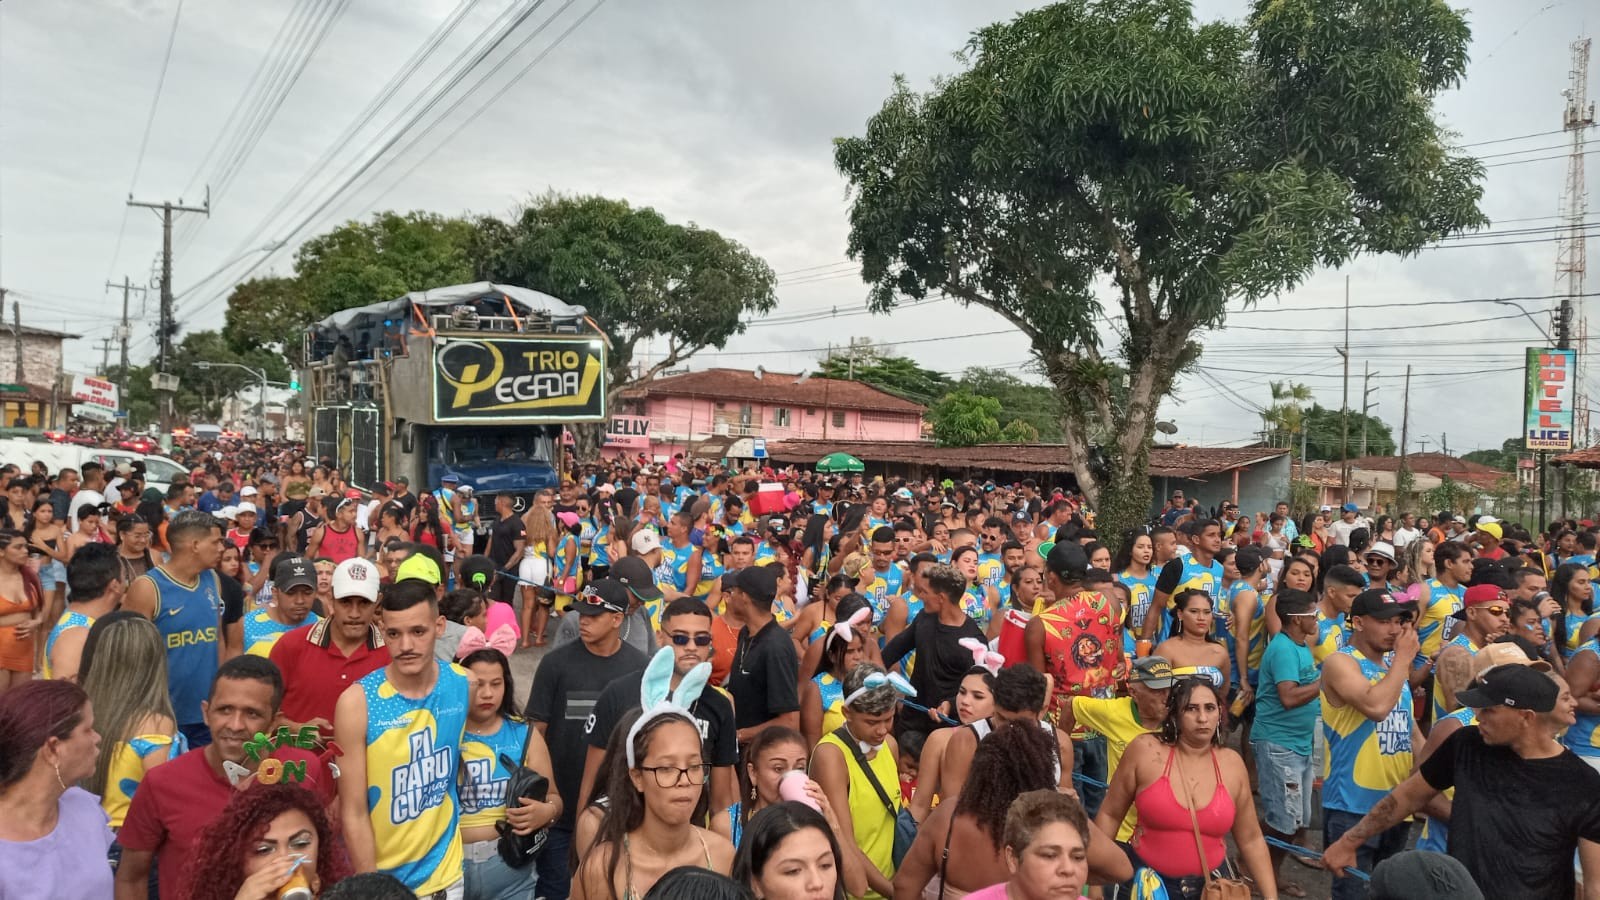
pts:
[1285, 660]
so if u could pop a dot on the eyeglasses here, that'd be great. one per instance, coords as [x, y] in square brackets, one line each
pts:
[680, 639]
[1309, 615]
[672, 776]
[1494, 610]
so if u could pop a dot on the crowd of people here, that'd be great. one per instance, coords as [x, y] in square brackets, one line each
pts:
[778, 685]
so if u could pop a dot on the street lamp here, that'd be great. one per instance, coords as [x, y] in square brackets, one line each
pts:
[1518, 308]
[261, 411]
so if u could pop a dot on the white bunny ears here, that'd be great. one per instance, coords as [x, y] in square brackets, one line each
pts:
[983, 656]
[877, 680]
[657, 698]
[847, 628]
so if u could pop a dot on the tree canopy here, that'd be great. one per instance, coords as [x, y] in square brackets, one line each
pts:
[1118, 150]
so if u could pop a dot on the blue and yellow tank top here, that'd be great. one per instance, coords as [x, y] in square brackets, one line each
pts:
[1141, 589]
[188, 615]
[1365, 759]
[1193, 575]
[832, 691]
[1573, 639]
[1256, 629]
[125, 771]
[600, 546]
[412, 750]
[261, 631]
[975, 603]
[68, 621]
[1442, 602]
[485, 777]
[1459, 640]
[881, 588]
[559, 567]
[1583, 738]
[1435, 834]
[874, 823]
[1330, 636]
[991, 571]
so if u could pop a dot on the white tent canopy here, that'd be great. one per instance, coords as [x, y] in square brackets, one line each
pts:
[525, 300]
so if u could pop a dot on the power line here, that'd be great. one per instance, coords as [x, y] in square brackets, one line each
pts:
[144, 140]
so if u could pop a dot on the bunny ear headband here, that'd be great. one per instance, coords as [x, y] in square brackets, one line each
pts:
[877, 680]
[657, 698]
[983, 656]
[847, 628]
[473, 639]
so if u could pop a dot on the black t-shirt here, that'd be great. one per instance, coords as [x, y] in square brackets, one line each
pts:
[764, 679]
[566, 686]
[232, 598]
[626, 498]
[407, 501]
[713, 712]
[1170, 577]
[1515, 822]
[503, 537]
[941, 662]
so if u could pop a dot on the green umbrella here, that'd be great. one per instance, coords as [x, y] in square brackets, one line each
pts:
[834, 463]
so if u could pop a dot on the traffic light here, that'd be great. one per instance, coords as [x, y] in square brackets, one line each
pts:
[294, 383]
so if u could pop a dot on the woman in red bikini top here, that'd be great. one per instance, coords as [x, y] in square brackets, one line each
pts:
[1179, 780]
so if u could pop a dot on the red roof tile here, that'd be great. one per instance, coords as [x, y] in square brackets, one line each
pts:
[1437, 464]
[1588, 458]
[775, 387]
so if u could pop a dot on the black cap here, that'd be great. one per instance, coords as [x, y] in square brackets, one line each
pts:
[604, 596]
[1519, 687]
[635, 575]
[294, 571]
[1380, 605]
[1068, 561]
[759, 582]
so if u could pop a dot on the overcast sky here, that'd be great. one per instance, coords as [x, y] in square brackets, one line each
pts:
[713, 111]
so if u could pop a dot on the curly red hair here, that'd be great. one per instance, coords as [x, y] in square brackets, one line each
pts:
[217, 870]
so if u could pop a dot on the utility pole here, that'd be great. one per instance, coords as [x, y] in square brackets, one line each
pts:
[1344, 404]
[1366, 402]
[1405, 425]
[123, 332]
[164, 344]
[16, 335]
[105, 355]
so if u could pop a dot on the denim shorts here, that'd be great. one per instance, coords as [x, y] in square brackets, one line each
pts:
[1285, 778]
[52, 573]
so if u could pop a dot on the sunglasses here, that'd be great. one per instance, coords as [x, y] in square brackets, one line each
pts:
[682, 640]
[1494, 610]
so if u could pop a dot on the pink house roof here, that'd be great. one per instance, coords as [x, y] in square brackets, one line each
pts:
[774, 387]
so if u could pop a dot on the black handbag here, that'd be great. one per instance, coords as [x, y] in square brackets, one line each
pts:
[519, 850]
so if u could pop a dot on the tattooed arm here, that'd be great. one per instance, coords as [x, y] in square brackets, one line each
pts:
[1408, 797]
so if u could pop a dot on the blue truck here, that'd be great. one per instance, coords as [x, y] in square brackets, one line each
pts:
[477, 380]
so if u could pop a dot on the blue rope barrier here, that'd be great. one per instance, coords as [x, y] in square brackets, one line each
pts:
[1312, 854]
[923, 709]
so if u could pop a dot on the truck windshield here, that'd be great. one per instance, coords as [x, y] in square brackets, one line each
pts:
[466, 446]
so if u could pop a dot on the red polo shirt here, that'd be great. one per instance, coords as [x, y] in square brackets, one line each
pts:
[174, 804]
[316, 672]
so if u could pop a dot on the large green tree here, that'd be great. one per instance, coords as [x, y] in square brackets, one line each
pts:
[639, 276]
[1118, 149]
[1325, 434]
[1505, 458]
[898, 375]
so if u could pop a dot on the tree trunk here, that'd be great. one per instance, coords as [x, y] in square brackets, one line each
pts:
[586, 440]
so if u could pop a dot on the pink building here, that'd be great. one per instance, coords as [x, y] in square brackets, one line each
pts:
[730, 412]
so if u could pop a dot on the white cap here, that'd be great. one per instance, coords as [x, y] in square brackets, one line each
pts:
[356, 577]
[248, 490]
[644, 541]
[228, 512]
[245, 507]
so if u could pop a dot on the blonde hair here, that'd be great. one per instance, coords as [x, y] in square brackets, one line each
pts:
[127, 683]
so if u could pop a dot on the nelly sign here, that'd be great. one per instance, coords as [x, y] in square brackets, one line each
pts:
[628, 432]
[1548, 399]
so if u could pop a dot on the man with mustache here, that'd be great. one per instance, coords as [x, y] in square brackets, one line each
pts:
[409, 716]
[178, 799]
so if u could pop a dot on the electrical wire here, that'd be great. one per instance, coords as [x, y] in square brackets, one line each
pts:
[144, 140]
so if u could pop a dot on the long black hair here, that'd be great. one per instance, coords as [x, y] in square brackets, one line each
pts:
[1179, 699]
[1124, 557]
[625, 810]
[1018, 757]
[771, 826]
[833, 651]
[508, 702]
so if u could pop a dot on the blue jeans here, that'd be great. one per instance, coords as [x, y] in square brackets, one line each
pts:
[492, 879]
[1089, 760]
[555, 878]
[1335, 822]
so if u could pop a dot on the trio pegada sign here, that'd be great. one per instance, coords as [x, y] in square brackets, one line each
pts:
[538, 380]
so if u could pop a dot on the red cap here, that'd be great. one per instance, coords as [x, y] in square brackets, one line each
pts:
[1481, 594]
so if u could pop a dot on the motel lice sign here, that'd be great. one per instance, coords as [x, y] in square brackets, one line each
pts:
[1547, 407]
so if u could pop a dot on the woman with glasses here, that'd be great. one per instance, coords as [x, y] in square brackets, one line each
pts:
[133, 547]
[648, 828]
[858, 769]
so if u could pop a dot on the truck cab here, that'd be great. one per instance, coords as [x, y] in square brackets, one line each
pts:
[478, 381]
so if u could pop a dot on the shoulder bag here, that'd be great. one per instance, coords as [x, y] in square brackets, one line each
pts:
[1217, 888]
